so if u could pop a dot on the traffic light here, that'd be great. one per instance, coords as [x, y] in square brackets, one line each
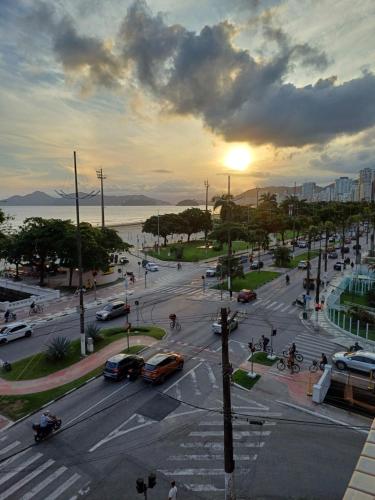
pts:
[140, 485]
[151, 480]
[274, 332]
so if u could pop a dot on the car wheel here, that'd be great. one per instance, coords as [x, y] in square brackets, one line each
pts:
[161, 379]
[341, 365]
[4, 341]
[180, 366]
[238, 300]
[28, 333]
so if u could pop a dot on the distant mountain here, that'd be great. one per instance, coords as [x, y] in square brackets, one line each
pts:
[250, 197]
[188, 203]
[40, 198]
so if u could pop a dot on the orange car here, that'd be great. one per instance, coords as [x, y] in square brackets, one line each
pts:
[161, 365]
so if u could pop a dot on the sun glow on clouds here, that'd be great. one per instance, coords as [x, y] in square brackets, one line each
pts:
[238, 158]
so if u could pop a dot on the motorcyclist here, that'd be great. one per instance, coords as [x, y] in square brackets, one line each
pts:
[173, 319]
[6, 315]
[355, 347]
[265, 342]
[46, 421]
[32, 306]
[287, 279]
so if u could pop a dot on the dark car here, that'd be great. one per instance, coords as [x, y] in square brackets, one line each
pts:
[244, 259]
[246, 296]
[256, 264]
[357, 247]
[112, 310]
[123, 365]
[333, 255]
[311, 283]
[338, 266]
[144, 262]
[346, 250]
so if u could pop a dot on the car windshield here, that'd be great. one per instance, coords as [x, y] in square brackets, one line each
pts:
[108, 307]
[111, 365]
[3, 329]
[149, 367]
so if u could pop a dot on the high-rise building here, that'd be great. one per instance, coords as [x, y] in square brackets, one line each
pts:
[366, 180]
[343, 189]
[308, 191]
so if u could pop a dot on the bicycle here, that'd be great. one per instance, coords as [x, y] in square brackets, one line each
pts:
[175, 325]
[281, 365]
[316, 365]
[259, 347]
[298, 356]
[37, 309]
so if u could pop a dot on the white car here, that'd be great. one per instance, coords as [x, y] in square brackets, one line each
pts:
[302, 244]
[210, 273]
[232, 324]
[302, 264]
[151, 266]
[14, 331]
[363, 361]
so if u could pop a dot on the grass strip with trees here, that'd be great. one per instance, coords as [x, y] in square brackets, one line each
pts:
[194, 251]
[303, 256]
[262, 359]
[251, 280]
[241, 378]
[41, 365]
[15, 407]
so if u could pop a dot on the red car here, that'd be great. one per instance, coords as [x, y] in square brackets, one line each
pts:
[246, 296]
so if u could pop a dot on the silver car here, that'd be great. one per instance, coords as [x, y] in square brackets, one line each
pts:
[112, 310]
[14, 331]
[363, 361]
[232, 325]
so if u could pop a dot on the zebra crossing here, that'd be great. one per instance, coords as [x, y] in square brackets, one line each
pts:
[29, 474]
[197, 460]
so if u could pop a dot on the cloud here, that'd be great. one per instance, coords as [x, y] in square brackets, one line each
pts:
[162, 171]
[237, 96]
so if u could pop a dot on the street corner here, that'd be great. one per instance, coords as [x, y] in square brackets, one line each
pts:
[257, 367]
[300, 386]
[4, 422]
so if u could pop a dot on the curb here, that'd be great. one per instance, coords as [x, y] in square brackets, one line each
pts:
[12, 424]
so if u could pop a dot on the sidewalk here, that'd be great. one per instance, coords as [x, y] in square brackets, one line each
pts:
[73, 372]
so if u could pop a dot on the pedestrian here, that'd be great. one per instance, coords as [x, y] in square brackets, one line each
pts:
[352, 264]
[323, 361]
[265, 342]
[6, 315]
[172, 495]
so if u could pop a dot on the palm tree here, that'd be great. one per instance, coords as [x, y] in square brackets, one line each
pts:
[268, 200]
[226, 204]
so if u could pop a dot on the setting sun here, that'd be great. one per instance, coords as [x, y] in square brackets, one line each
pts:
[238, 158]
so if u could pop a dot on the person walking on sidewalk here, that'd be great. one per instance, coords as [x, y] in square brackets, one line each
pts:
[172, 495]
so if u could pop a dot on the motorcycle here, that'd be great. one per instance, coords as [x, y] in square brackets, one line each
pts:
[355, 348]
[41, 433]
[298, 302]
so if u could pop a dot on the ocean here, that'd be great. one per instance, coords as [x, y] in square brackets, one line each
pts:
[114, 215]
[127, 220]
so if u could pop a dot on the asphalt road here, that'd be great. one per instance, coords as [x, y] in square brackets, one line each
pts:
[115, 432]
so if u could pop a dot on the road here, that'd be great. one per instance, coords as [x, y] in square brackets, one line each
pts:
[115, 432]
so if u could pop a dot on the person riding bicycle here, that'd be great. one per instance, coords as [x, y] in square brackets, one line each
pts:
[293, 349]
[355, 347]
[265, 341]
[287, 279]
[323, 361]
[32, 306]
[7, 315]
[291, 359]
[173, 319]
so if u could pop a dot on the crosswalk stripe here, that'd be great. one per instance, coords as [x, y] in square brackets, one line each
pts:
[292, 311]
[7, 493]
[220, 446]
[210, 457]
[236, 434]
[285, 308]
[44, 483]
[271, 305]
[202, 487]
[12, 459]
[278, 307]
[266, 302]
[20, 467]
[63, 487]
[9, 447]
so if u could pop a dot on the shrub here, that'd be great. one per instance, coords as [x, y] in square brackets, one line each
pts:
[108, 332]
[58, 348]
[93, 331]
[371, 297]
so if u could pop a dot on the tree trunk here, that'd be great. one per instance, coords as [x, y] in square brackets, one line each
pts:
[188, 238]
[282, 237]
[41, 271]
[165, 241]
[70, 276]
[17, 270]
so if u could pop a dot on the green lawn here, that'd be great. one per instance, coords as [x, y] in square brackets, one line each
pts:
[240, 377]
[15, 407]
[261, 358]
[303, 256]
[39, 365]
[354, 299]
[251, 280]
[195, 251]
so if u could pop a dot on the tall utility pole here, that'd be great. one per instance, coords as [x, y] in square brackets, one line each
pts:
[77, 197]
[257, 196]
[158, 233]
[99, 174]
[229, 245]
[79, 251]
[317, 296]
[230, 493]
[206, 185]
[294, 218]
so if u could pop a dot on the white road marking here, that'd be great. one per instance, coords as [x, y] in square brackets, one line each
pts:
[236, 434]
[39, 487]
[202, 487]
[278, 307]
[12, 459]
[211, 376]
[19, 468]
[193, 472]
[3, 438]
[266, 302]
[26, 479]
[285, 308]
[271, 305]
[117, 432]
[173, 415]
[195, 383]
[291, 311]
[9, 447]
[98, 403]
[181, 378]
[219, 446]
[246, 400]
[67, 484]
[178, 392]
[211, 457]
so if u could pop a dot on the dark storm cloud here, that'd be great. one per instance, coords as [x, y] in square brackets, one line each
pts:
[348, 163]
[204, 74]
[74, 51]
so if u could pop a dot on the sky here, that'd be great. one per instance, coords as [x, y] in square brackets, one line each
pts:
[158, 94]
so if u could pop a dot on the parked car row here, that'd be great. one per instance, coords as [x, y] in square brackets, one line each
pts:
[131, 366]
